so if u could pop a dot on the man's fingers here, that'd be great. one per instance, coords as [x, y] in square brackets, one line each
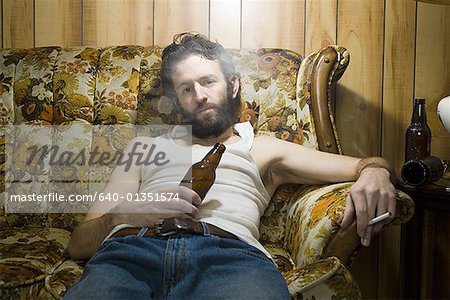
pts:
[361, 225]
[190, 195]
[364, 230]
[349, 213]
[365, 240]
[392, 208]
[379, 225]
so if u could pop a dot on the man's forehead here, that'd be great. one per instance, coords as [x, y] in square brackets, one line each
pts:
[197, 58]
[196, 65]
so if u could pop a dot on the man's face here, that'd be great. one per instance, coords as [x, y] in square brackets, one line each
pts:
[204, 95]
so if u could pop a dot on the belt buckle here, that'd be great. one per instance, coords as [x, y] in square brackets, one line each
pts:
[171, 226]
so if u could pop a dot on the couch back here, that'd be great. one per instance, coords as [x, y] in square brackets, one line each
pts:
[121, 85]
[94, 89]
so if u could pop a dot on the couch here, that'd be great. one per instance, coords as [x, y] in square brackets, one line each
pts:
[105, 89]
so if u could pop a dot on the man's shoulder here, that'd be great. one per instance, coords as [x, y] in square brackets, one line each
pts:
[266, 145]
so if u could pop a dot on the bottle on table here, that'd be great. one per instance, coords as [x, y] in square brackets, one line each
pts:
[423, 171]
[201, 175]
[418, 134]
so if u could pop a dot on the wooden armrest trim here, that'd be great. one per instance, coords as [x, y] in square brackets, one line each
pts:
[329, 65]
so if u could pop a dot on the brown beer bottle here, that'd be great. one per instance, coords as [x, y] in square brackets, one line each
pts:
[418, 134]
[423, 171]
[201, 175]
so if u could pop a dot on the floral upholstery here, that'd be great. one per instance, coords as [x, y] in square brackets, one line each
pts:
[102, 93]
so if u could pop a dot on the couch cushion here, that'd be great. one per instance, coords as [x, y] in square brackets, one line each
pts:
[27, 256]
[7, 75]
[269, 96]
[281, 258]
[74, 85]
[57, 284]
[33, 95]
[273, 223]
[117, 85]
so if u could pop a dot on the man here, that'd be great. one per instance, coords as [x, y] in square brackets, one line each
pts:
[226, 261]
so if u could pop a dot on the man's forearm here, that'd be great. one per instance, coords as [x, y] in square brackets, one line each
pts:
[375, 162]
[87, 237]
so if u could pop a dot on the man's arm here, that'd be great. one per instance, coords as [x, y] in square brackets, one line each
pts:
[372, 194]
[87, 236]
[103, 216]
[292, 163]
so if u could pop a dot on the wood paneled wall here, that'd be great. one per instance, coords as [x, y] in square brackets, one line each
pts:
[399, 50]
[433, 68]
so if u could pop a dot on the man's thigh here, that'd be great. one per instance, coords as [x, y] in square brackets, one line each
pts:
[123, 268]
[230, 269]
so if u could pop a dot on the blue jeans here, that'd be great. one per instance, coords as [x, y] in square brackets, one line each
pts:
[181, 266]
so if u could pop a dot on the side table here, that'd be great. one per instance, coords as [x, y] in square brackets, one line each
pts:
[426, 242]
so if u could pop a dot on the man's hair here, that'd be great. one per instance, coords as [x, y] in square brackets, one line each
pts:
[186, 44]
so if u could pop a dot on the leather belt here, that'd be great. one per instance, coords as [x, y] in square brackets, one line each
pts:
[177, 225]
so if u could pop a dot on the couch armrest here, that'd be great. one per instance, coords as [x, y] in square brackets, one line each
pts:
[323, 279]
[323, 69]
[344, 243]
[313, 223]
[313, 217]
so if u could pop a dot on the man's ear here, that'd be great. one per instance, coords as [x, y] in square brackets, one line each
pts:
[235, 82]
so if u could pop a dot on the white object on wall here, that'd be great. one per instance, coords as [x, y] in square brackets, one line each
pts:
[443, 111]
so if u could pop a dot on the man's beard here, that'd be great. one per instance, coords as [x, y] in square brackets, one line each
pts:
[225, 116]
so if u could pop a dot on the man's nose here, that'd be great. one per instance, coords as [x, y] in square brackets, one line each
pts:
[200, 95]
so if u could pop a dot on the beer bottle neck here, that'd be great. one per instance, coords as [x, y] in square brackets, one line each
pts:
[215, 154]
[419, 112]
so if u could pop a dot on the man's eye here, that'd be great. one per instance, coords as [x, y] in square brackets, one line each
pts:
[208, 82]
[186, 90]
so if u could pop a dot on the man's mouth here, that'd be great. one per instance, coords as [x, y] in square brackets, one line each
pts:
[204, 110]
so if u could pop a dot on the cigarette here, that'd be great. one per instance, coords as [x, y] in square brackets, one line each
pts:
[379, 218]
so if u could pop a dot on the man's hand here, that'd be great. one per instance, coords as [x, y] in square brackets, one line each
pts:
[88, 236]
[148, 213]
[372, 195]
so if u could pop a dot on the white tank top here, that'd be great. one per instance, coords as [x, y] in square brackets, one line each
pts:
[237, 199]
